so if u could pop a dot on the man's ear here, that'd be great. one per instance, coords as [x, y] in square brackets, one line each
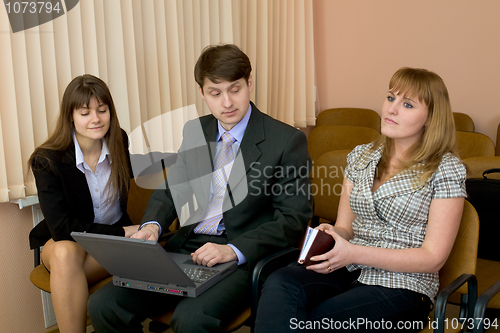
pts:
[250, 84]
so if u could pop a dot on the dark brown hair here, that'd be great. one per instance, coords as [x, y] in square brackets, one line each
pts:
[78, 93]
[222, 63]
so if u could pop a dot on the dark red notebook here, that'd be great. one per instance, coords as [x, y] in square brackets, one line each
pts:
[316, 242]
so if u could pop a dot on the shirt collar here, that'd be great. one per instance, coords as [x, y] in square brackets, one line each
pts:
[374, 156]
[79, 153]
[370, 156]
[238, 130]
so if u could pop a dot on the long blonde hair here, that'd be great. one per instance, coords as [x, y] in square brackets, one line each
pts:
[78, 93]
[439, 136]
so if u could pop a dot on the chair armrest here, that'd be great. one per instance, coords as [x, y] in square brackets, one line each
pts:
[445, 294]
[481, 304]
[265, 267]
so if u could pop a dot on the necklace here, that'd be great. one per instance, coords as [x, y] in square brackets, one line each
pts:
[93, 164]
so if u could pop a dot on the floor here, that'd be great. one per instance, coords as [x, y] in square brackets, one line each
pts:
[451, 310]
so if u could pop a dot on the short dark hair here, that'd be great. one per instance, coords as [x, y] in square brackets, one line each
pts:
[222, 63]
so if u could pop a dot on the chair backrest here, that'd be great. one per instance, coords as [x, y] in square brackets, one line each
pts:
[327, 138]
[463, 122]
[498, 141]
[471, 144]
[327, 176]
[140, 190]
[463, 256]
[349, 116]
[477, 165]
[138, 198]
[150, 170]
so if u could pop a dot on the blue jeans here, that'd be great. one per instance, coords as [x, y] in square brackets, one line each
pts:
[296, 300]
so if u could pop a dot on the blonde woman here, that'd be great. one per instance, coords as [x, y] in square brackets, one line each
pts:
[397, 221]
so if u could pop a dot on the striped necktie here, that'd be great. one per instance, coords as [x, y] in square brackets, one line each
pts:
[222, 168]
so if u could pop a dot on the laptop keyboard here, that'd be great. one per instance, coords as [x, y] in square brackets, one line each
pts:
[200, 274]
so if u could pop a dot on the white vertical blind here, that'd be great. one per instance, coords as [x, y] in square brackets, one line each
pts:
[146, 52]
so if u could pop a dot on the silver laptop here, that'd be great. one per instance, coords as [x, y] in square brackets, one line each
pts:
[145, 265]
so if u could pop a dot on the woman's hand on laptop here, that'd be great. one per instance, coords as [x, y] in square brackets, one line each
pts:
[130, 230]
[148, 232]
[211, 254]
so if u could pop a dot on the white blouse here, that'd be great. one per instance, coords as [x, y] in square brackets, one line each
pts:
[105, 212]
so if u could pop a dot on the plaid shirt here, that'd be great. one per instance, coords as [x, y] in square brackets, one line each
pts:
[395, 216]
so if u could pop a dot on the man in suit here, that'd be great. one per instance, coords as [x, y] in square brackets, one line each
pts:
[265, 203]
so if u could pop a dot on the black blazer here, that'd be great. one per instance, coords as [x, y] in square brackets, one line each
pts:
[270, 210]
[65, 199]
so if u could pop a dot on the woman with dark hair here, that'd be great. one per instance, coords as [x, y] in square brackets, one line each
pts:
[398, 216]
[82, 174]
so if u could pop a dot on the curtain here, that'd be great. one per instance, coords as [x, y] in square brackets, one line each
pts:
[145, 51]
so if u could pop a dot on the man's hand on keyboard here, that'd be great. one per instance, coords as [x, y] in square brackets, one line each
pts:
[211, 254]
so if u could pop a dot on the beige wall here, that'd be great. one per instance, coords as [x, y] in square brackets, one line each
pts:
[21, 306]
[359, 44]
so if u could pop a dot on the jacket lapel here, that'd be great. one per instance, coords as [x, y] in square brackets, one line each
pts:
[249, 150]
[206, 169]
[74, 177]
